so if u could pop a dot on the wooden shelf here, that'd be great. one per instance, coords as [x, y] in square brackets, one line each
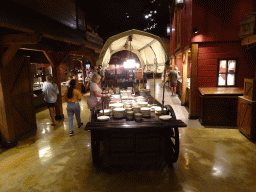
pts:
[220, 91]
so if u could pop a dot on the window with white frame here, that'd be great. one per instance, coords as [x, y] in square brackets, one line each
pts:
[226, 72]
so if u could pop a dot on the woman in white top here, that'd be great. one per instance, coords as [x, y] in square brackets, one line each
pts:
[50, 92]
[94, 101]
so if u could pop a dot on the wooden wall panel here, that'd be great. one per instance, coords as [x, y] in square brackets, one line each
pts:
[17, 99]
[179, 65]
[208, 61]
[220, 20]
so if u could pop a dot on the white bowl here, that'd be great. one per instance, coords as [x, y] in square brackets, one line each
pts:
[165, 117]
[103, 118]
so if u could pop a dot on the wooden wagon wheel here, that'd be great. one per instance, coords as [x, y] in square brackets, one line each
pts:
[95, 148]
[172, 142]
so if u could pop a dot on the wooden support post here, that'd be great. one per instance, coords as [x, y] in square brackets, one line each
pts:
[193, 83]
[9, 54]
[83, 71]
[55, 60]
[184, 77]
[16, 94]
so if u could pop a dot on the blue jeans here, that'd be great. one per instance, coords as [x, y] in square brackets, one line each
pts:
[73, 108]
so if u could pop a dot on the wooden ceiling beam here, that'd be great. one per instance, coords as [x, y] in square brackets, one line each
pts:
[20, 39]
[36, 47]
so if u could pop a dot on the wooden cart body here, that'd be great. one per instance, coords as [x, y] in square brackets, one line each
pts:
[118, 141]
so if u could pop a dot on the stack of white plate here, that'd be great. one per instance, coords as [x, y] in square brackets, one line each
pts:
[158, 111]
[127, 105]
[154, 107]
[128, 109]
[140, 99]
[119, 112]
[129, 115]
[116, 98]
[143, 103]
[145, 111]
[137, 116]
[136, 109]
[116, 105]
[106, 112]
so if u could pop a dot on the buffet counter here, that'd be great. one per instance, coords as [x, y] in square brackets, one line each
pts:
[219, 105]
[38, 95]
[134, 131]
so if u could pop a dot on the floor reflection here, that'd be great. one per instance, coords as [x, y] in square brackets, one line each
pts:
[49, 160]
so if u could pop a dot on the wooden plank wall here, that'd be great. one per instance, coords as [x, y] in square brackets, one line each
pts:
[208, 62]
[179, 65]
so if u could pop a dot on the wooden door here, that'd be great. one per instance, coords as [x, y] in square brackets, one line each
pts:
[17, 90]
[244, 116]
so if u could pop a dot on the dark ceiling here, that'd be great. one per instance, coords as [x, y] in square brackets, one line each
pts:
[116, 16]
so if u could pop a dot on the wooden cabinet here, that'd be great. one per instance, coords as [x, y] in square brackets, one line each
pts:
[219, 106]
[246, 117]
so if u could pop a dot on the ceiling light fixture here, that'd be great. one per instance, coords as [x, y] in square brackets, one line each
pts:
[195, 30]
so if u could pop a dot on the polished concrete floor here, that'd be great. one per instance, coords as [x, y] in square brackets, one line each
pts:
[211, 160]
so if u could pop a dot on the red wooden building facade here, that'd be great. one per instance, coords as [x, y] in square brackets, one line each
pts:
[203, 34]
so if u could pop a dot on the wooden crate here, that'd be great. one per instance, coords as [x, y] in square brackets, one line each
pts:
[246, 117]
[247, 26]
[250, 89]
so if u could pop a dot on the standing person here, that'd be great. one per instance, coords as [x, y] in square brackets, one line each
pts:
[173, 76]
[94, 101]
[50, 92]
[73, 96]
[91, 72]
[167, 77]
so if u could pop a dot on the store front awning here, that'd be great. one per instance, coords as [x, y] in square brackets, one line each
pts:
[149, 48]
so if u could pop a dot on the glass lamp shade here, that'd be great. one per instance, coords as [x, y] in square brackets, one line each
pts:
[179, 2]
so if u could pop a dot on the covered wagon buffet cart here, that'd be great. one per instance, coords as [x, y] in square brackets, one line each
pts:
[135, 128]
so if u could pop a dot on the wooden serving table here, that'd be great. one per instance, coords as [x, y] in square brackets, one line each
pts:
[119, 141]
[219, 105]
